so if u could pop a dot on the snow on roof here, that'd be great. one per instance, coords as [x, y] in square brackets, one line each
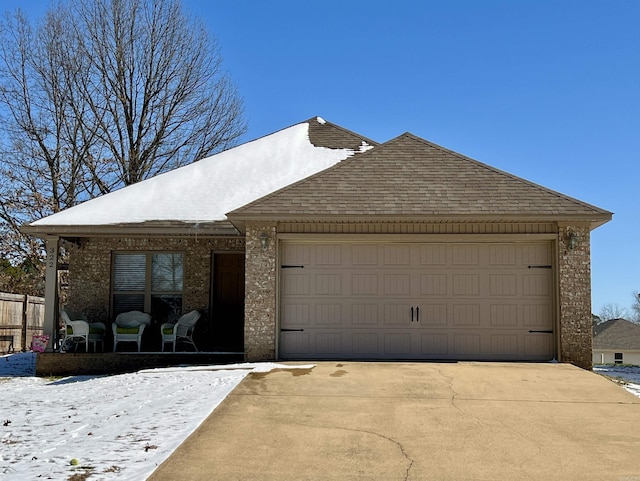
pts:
[206, 190]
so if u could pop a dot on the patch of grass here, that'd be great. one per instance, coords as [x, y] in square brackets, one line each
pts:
[80, 476]
[81, 473]
[618, 380]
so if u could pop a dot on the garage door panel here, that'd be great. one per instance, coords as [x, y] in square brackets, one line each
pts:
[502, 315]
[296, 285]
[466, 315]
[297, 254]
[397, 344]
[433, 315]
[475, 301]
[537, 316]
[502, 255]
[397, 255]
[365, 344]
[536, 285]
[466, 284]
[328, 314]
[295, 315]
[365, 314]
[465, 255]
[466, 345]
[364, 254]
[504, 345]
[434, 346]
[538, 346]
[503, 285]
[536, 255]
[327, 284]
[433, 285]
[433, 255]
[396, 284]
[365, 284]
[328, 255]
[397, 314]
[329, 343]
[295, 343]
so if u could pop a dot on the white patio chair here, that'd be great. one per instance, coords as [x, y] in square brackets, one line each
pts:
[81, 331]
[182, 330]
[129, 326]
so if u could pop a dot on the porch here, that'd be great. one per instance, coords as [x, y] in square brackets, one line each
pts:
[95, 363]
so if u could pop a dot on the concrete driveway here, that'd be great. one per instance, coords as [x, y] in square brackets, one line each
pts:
[417, 421]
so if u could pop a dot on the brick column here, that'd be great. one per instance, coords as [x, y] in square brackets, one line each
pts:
[574, 280]
[260, 294]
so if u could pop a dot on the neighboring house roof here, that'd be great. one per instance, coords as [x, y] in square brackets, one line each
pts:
[411, 177]
[617, 334]
[203, 192]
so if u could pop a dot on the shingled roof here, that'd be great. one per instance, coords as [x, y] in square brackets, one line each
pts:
[409, 176]
[332, 136]
[199, 195]
[617, 334]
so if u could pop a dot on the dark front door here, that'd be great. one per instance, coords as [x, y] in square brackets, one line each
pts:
[227, 303]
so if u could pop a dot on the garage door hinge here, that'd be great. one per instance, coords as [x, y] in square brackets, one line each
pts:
[291, 267]
[539, 267]
[291, 330]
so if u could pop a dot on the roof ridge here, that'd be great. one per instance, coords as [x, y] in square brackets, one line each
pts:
[322, 120]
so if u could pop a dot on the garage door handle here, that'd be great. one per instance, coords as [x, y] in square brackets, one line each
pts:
[411, 313]
[542, 332]
[417, 314]
[291, 330]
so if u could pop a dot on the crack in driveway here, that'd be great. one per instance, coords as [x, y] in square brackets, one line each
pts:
[391, 440]
[399, 445]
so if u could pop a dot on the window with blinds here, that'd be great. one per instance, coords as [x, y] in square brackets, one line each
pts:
[149, 282]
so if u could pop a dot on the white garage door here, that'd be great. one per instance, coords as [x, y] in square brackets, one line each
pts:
[416, 301]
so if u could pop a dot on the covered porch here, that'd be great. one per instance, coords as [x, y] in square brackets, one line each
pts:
[206, 273]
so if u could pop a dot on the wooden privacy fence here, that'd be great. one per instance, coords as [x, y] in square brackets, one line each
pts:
[21, 317]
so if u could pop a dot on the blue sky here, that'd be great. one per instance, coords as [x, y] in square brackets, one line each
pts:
[546, 90]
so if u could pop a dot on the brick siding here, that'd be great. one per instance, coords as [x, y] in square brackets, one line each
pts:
[574, 278]
[90, 269]
[260, 298]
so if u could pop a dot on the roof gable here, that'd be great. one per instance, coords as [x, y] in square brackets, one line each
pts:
[617, 334]
[409, 176]
[204, 191]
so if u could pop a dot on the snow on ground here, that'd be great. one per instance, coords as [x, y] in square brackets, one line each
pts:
[115, 427]
[121, 427]
[628, 376]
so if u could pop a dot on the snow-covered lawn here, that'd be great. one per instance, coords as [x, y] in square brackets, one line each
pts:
[114, 427]
[628, 376]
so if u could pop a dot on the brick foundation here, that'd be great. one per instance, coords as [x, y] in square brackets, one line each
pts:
[75, 364]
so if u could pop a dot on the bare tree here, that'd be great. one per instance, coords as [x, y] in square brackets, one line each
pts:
[103, 94]
[156, 87]
[635, 307]
[613, 311]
